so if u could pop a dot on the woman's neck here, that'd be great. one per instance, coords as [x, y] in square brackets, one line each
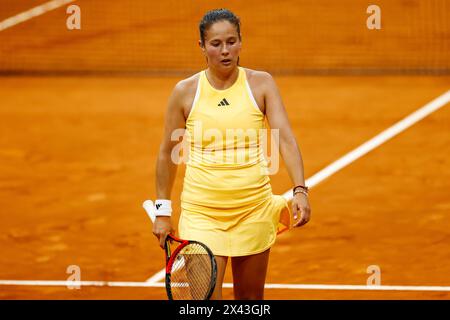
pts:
[222, 80]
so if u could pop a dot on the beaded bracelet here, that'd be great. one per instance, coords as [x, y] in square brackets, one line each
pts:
[300, 188]
[301, 191]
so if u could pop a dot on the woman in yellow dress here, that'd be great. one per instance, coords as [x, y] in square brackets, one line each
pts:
[227, 201]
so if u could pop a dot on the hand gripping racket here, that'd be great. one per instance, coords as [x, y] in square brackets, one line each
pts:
[191, 268]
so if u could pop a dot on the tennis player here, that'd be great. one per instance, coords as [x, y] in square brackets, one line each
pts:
[227, 204]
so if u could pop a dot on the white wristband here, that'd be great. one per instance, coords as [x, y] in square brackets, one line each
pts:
[163, 208]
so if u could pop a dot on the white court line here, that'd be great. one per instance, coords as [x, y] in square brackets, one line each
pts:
[157, 276]
[31, 13]
[57, 283]
[353, 155]
[225, 285]
[376, 141]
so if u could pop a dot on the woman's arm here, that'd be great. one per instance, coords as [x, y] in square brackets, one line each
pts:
[290, 152]
[166, 169]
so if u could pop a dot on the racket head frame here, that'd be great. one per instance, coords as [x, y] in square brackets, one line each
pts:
[170, 258]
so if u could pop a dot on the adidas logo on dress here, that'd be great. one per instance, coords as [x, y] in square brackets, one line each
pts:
[224, 102]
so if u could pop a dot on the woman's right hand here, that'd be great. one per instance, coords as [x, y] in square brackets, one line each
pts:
[161, 228]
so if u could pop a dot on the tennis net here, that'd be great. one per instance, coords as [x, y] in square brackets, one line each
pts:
[160, 37]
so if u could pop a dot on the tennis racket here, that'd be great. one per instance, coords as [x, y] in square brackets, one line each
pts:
[191, 268]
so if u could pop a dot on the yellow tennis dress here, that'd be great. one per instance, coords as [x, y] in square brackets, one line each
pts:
[227, 201]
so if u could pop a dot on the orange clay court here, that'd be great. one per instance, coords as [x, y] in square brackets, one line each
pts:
[83, 112]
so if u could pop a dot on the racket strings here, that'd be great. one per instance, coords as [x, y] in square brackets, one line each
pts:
[191, 273]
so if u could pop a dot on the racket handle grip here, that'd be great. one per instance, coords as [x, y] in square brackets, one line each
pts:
[150, 209]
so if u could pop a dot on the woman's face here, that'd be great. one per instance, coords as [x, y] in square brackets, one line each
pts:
[222, 45]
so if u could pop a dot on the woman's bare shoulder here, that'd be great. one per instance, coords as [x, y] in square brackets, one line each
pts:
[260, 81]
[258, 75]
[184, 93]
[187, 86]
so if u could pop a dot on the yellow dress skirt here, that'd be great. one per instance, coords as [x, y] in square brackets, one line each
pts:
[248, 228]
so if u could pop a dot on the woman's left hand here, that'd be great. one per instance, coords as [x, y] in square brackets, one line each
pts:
[300, 206]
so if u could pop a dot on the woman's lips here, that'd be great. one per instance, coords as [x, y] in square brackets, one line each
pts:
[226, 61]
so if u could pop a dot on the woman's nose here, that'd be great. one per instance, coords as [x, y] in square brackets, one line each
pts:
[225, 49]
